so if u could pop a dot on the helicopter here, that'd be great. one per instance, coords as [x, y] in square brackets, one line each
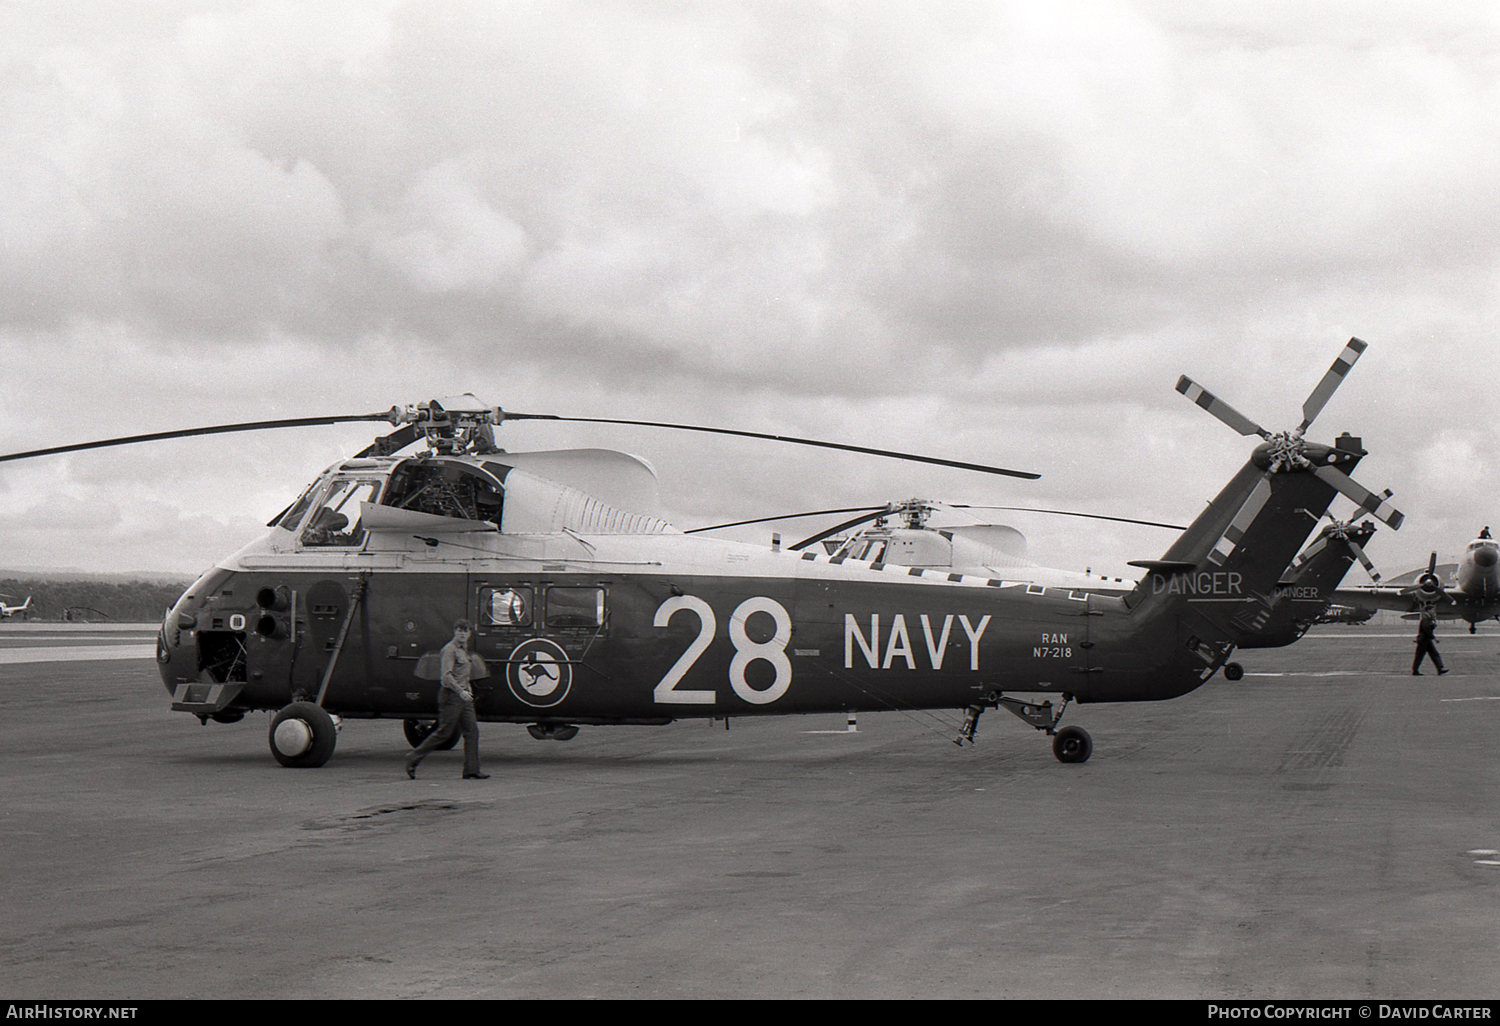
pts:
[1304, 595]
[589, 612]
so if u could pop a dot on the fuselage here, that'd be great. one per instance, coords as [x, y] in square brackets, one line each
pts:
[611, 628]
[585, 612]
[1470, 593]
[1478, 573]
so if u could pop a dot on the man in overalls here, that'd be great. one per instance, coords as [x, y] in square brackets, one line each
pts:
[1427, 646]
[455, 707]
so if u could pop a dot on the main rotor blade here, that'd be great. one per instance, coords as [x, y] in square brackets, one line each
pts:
[787, 516]
[1069, 513]
[1368, 501]
[219, 429]
[836, 528]
[1219, 408]
[951, 505]
[981, 468]
[1331, 381]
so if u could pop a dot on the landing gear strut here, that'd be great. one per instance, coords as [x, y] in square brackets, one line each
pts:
[1070, 744]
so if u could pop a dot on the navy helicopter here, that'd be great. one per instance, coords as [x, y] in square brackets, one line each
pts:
[590, 611]
[902, 532]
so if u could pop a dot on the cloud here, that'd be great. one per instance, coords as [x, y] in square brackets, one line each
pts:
[990, 230]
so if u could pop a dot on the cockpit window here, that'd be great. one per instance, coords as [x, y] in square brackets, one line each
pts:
[292, 516]
[336, 520]
[446, 490]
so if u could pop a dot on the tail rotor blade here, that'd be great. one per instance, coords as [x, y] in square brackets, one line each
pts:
[1219, 408]
[1312, 550]
[1359, 553]
[1330, 383]
[1377, 505]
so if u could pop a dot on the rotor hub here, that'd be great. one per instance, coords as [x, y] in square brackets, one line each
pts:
[1287, 451]
[455, 426]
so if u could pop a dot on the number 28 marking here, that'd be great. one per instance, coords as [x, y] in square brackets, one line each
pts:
[745, 650]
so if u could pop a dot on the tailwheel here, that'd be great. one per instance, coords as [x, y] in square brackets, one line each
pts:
[303, 736]
[1072, 744]
[1233, 671]
[416, 732]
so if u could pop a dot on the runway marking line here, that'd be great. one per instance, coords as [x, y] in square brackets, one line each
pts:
[1310, 673]
[59, 654]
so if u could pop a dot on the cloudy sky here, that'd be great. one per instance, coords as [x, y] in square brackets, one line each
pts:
[996, 232]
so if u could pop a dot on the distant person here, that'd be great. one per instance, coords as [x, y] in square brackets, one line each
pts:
[455, 707]
[1427, 645]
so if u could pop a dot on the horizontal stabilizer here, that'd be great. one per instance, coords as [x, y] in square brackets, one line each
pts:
[1164, 566]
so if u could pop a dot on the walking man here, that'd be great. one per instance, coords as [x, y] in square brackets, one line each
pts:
[455, 707]
[1427, 645]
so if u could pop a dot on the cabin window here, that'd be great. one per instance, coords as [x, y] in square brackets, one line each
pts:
[861, 548]
[575, 607]
[505, 607]
[446, 489]
[336, 520]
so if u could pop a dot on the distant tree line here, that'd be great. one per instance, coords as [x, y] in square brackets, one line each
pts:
[109, 601]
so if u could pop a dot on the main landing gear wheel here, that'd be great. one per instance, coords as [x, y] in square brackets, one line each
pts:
[1072, 744]
[416, 732]
[303, 736]
[1233, 671]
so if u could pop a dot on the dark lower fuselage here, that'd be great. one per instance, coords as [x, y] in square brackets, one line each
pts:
[652, 647]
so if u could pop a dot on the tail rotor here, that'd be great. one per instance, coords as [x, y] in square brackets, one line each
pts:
[1287, 451]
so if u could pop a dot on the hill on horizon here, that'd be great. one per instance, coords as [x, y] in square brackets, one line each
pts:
[121, 598]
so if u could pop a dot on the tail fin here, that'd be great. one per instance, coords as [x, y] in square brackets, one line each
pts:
[1305, 591]
[1220, 577]
[1241, 544]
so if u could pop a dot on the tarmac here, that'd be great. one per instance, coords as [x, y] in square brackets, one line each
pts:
[1324, 828]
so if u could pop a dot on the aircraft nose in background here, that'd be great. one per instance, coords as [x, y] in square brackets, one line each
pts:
[1486, 557]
